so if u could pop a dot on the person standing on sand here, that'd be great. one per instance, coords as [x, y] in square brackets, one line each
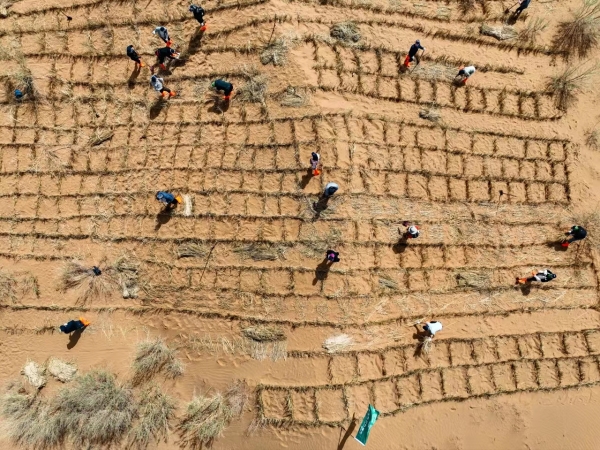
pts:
[133, 55]
[74, 325]
[330, 189]
[315, 160]
[412, 53]
[169, 200]
[430, 327]
[412, 231]
[332, 256]
[158, 85]
[198, 12]
[163, 34]
[222, 85]
[161, 55]
[465, 73]
[522, 7]
[576, 233]
[543, 276]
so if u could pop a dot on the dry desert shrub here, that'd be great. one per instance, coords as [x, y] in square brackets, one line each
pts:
[565, 86]
[191, 250]
[255, 89]
[155, 411]
[430, 113]
[294, 97]
[532, 30]
[580, 34]
[61, 370]
[153, 357]
[207, 417]
[345, 31]
[338, 343]
[266, 342]
[94, 409]
[502, 33]
[34, 373]
[27, 419]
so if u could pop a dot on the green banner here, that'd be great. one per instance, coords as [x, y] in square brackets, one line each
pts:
[366, 425]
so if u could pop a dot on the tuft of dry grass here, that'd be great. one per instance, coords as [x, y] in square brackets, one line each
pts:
[100, 136]
[532, 30]
[502, 33]
[27, 419]
[94, 409]
[276, 51]
[207, 416]
[294, 97]
[430, 113]
[580, 34]
[345, 31]
[255, 89]
[8, 286]
[34, 373]
[425, 344]
[565, 86]
[153, 357]
[592, 139]
[74, 274]
[191, 250]
[260, 252]
[61, 370]
[155, 411]
[477, 280]
[388, 283]
[338, 343]
[266, 342]
[126, 270]
[264, 333]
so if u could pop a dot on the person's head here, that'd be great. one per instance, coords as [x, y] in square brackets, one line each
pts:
[130, 47]
[551, 276]
[171, 51]
[160, 195]
[413, 230]
[153, 78]
[576, 228]
[163, 29]
[192, 8]
[418, 42]
[314, 156]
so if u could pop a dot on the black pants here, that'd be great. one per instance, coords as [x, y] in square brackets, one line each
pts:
[519, 10]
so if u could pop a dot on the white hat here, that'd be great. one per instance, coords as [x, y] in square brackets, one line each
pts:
[413, 230]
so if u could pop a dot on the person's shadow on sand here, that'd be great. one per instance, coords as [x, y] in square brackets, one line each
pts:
[402, 244]
[322, 271]
[134, 75]
[163, 217]
[218, 105]
[306, 179]
[74, 338]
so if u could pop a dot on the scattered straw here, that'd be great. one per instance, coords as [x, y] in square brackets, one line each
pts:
[260, 252]
[100, 136]
[338, 343]
[191, 250]
[255, 89]
[532, 30]
[34, 374]
[276, 51]
[345, 31]
[501, 33]
[8, 286]
[430, 113]
[61, 370]
[294, 97]
[426, 344]
[188, 205]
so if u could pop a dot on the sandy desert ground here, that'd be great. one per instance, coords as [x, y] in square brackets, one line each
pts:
[515, 367]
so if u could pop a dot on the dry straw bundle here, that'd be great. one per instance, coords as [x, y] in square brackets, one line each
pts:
[501, 33]
[266, 342]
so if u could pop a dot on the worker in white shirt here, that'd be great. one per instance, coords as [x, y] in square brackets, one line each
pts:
[465, 73]
[163, 34]
[430, 328]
